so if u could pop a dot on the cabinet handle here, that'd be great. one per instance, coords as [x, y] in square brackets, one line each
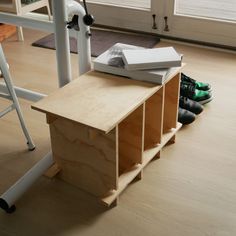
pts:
[166, 28]
[154, 24]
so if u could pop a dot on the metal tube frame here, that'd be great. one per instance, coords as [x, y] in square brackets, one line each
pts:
[8, 198]
[61, 10]
[60, 14]
[8, 80]
[7, 110]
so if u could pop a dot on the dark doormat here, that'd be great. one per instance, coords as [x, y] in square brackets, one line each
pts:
[101, 40]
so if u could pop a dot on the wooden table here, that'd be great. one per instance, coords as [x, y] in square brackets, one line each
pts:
[105, 129]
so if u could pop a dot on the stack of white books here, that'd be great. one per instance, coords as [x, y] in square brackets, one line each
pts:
[150, 65]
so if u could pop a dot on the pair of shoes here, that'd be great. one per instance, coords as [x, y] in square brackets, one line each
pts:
[188, 109]
[190, 91]
[196, 91]
[199, 85]
[193, 95]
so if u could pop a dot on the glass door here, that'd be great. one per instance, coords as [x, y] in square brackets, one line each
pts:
[211, 21]
[140, 15]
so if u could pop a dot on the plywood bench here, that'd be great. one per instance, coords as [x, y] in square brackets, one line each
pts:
[105, 129]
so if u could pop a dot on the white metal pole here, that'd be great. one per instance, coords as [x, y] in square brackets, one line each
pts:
[24, 93]
[11, 91]
[8, 199]
[26, 22]
[62, 42]
[83, 36]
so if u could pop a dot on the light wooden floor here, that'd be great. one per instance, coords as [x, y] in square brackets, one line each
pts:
[190, 191]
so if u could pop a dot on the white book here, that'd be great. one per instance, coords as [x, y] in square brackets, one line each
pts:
[111, 62]
[146, 59]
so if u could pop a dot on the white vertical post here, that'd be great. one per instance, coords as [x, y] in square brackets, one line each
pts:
[62, 42]
[84, 49]
[12, 93]
[83, 36]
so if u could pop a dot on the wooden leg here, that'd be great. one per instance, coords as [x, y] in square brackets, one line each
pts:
[52, 171]
[172, 140]
[157, 156]
[115, 203]
[139, 176]
[20, 34]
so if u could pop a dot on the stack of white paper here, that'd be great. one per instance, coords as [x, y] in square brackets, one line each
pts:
[112, 61]
[154, 58]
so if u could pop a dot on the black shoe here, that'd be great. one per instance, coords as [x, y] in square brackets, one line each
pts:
[190, 105]
[185, 117]
[188, 90]
[198, 85]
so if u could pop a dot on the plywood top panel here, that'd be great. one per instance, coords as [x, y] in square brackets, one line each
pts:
[97, 100]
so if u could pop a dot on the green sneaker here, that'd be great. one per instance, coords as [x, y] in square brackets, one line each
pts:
[199, 85]
[190, 91]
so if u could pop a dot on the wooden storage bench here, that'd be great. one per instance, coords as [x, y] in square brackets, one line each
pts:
[105, 129]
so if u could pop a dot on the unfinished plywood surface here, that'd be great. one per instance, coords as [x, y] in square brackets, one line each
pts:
[108, 98]
[131, 134]
[87, 157]
[52, 171]
[151, 152]
[171, 103]
[154, 119]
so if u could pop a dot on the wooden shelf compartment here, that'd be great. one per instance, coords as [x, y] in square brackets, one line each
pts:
[152, 152]
[154, 119]
[127, 177]
[130, 140]
[171, 104]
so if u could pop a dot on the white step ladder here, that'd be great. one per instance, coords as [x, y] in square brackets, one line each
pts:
[4, 72]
